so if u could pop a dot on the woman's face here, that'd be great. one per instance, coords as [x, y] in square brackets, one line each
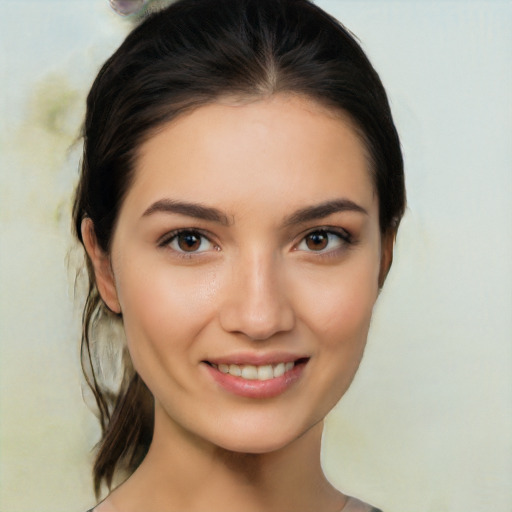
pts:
[246, 263]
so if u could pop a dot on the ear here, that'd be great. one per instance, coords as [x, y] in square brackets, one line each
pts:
[100, 260]
[386, 255]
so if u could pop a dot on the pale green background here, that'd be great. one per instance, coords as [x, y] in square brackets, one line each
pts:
[427, 425]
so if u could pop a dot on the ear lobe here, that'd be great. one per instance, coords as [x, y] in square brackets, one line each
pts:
[386, 257]
[100, 260]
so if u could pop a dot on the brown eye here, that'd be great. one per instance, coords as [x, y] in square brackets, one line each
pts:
[189, 242]
[324, 241]
[317, 241]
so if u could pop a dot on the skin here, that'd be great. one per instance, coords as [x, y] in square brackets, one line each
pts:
[254, 284]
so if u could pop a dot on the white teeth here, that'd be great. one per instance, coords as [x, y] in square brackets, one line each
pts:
[224, 368]
[235, 370]
[265, 372]
[252, 372]
[279, 370]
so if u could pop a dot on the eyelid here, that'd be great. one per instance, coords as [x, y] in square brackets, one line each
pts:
[165, 241]
[346, 239]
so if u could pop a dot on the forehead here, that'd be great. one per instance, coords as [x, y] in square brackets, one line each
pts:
[283, 150]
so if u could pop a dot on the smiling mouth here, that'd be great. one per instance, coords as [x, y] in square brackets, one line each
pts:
[254, 372]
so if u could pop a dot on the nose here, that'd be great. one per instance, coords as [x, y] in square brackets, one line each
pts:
[255, 301]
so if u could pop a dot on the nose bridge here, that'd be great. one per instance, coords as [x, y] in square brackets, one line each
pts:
[256, 302]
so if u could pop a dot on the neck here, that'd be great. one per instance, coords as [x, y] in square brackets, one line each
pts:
[185, 473]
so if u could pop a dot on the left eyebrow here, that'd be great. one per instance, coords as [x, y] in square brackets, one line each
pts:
[322, 210]
[194, 210]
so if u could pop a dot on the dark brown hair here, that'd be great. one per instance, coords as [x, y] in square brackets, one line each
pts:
[187, 55]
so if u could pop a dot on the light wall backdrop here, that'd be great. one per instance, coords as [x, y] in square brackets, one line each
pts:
[427, 424]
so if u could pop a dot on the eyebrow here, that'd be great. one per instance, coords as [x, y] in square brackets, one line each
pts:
[322, 210]
[199, 211]
[195, 210]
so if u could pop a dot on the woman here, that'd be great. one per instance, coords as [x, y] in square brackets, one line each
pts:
[241, 189]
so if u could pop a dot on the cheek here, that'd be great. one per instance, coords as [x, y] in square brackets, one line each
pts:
[339, 319]
[339, 305]
[163, 306]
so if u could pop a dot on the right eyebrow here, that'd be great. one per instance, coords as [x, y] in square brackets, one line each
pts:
[319, 211]
[195, 210]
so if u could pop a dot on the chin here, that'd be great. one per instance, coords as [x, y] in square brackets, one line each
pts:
[255, 446]
[262, 439]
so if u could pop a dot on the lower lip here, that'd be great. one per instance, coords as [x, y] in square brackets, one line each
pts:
[257, 388]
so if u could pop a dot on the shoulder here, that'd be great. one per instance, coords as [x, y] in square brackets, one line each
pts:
[355, 505]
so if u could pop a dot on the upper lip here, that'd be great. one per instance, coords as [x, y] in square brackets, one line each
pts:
[257, 359]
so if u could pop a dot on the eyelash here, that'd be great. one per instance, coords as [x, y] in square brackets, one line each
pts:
[344, 239]
[169, 238]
